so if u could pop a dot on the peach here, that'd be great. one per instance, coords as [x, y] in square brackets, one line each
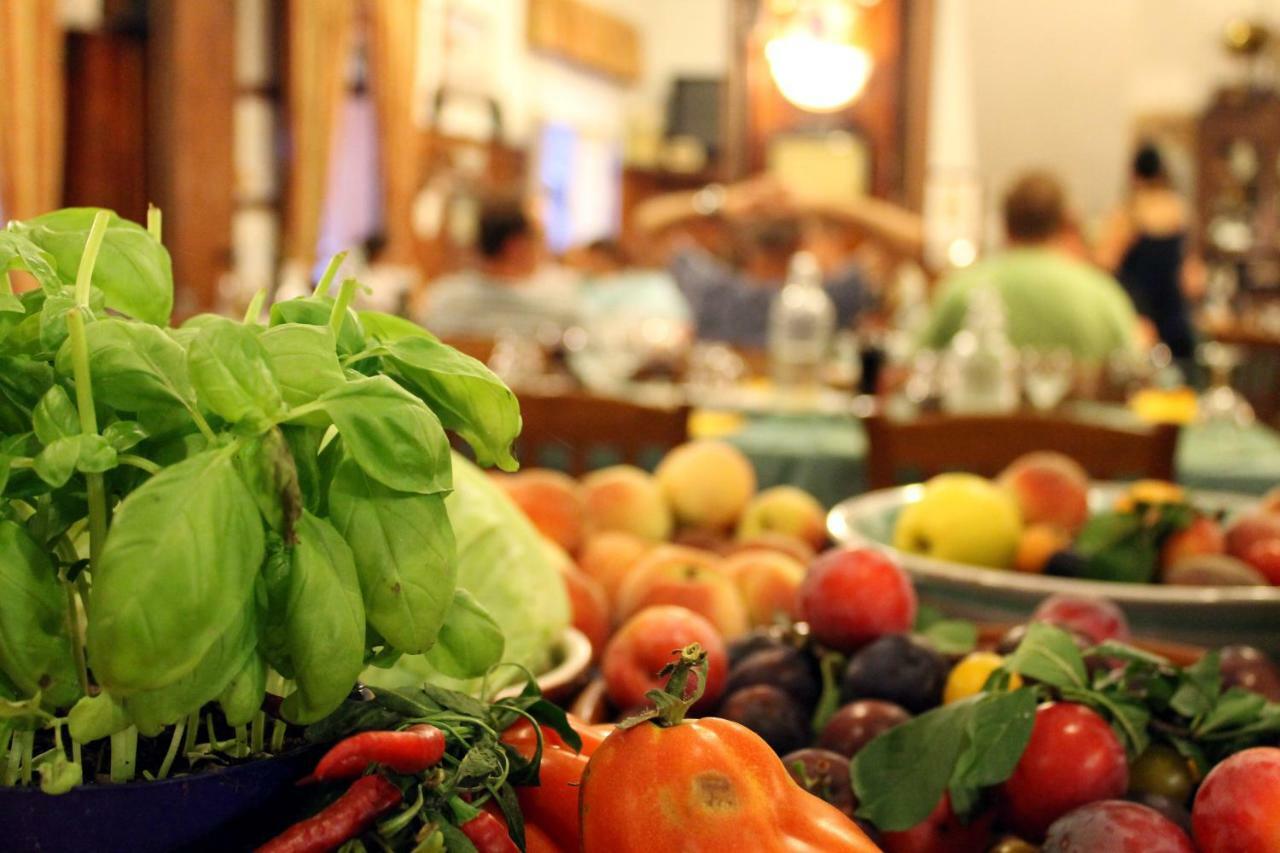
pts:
[608, 556]
[590, 607]
[708, 483]
[1256, 540]
[768, 582]
[1202, 536]
[623, 497]
[673, 574]
[1050, 488]
[799, 550]
[551, 500]
[788, 510]
[1270, 502]
[1037, 544]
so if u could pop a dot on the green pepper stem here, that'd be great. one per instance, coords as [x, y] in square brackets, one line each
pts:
[671, 705]
[330, 271]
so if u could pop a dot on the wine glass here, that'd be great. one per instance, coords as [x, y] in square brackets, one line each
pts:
[1046, 376]
[1221, 403]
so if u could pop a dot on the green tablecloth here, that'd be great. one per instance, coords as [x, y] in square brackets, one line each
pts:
[826, 455]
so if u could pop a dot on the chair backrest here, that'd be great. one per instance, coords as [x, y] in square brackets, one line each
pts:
[985, 444]
[577, 432]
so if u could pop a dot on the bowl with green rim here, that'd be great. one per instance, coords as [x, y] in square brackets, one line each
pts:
[1201, 615]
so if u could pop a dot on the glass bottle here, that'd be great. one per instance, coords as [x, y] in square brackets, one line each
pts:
[980, 366]
[801, 324]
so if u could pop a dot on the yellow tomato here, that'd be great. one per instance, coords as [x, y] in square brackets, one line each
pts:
[1151, 492]
[968, 676]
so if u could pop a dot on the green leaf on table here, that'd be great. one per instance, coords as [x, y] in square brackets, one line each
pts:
[55, 416]
[35, 649]
[469, 398]
[952, 636]
[1234, 707]
[324, 621]
[304, 361]
[1200, 688]
[133, 269]
[175, 574]
[996, 735]
[133, 367]
[470, 641]
[404, 552]
[1050, 655]
[1128, 716]
[391, 435]
[229, 371]
[1127, 653]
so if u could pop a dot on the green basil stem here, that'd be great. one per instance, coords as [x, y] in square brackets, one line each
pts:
[88, 426]
[322, 286]
[258, 732]
[178, 731]
[155, 221]
[24, 744]
[6, 284]
[255, 306]
[8, 749]
[242, 742]
[84, 275]
[193, 732]
[346, 293]
[139, 462]
[124, 754]
[278, 729]
[77, 636]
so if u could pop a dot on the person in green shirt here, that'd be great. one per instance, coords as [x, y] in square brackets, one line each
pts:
[1052, 299]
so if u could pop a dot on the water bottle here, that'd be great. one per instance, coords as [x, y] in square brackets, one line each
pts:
[801, 324]
[980, 366]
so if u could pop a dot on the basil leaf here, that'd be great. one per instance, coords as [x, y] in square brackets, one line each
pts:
[1048, 654]
[35, 651]
[324, 621]
[468, 397]
[228, 369]
[304, 362]
[124, 435]
[55, 416]
[95, 717]
[315, 311]
[133, 269]
[1200, 688]
[470, 641]
[242, 698]
[53, 315]
[96, 454]
[1235, 706]
[391, 435]
[4, 473]
[952, 636]
[388, 327]
[18, 252]
[175, 573]
[404, 555]
[57, 462]
[23, 381]
[134, 367]
[267, 467]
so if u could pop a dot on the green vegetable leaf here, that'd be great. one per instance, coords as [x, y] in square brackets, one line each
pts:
[35, 650]
[315, 311]
[404, 554]
[96, 454]
[58, 774]
[469, 398]
[304, 362]
[52, 318]
[324, 621]
[1048, 654]
[952, 636]
[55, 416]
[95, 717]
[470, 641]
[1234, 707]
[134, 367]
[242, 698]
[18, 252]
[391, 435]
[133, 269]
[229, 371]
[1200, 688]
[175, 573]
[267, 467]
[388, 327]
[997, 733]
[124, 435]
[57, 462]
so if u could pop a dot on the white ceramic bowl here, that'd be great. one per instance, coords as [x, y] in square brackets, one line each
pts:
[1207, 616]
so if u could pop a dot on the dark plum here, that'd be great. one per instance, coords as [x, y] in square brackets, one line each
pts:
[790, 670]
[824, 774]
[1115, 826]
[1250, 668]
[757, 640]
[770, 713]
[855, 725]
[898, 669]
[1065, 564]
[1176, 812]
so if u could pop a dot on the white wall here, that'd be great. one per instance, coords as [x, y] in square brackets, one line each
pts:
[1060, 83]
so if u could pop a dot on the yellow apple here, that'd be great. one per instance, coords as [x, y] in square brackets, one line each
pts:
[961, 518]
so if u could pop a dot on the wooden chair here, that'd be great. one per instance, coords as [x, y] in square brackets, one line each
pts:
[577, 432]
[985, 444]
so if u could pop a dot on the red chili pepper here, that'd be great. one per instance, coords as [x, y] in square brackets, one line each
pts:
[409, 751]
[488, 834]
[353, 813]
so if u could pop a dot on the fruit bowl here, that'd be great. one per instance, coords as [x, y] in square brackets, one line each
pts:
[1205, 616]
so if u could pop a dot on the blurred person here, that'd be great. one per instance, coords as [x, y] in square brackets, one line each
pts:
[730, 301]
[1052, 298]
[509, 289]
[1144, 244]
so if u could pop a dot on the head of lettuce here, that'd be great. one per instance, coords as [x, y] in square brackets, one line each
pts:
[508, 569]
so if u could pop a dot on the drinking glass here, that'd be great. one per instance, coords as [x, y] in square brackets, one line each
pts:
[1221, 403]
[1046, 376]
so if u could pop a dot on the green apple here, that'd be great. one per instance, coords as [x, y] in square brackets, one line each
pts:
[961, 518]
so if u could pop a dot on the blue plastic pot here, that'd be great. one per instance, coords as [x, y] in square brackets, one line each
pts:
[232, 808]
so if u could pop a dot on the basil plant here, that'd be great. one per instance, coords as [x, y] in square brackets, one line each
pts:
[214, 512]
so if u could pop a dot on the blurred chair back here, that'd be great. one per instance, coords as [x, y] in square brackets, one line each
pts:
[578, 432]
[985, 444]
[477, 347]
